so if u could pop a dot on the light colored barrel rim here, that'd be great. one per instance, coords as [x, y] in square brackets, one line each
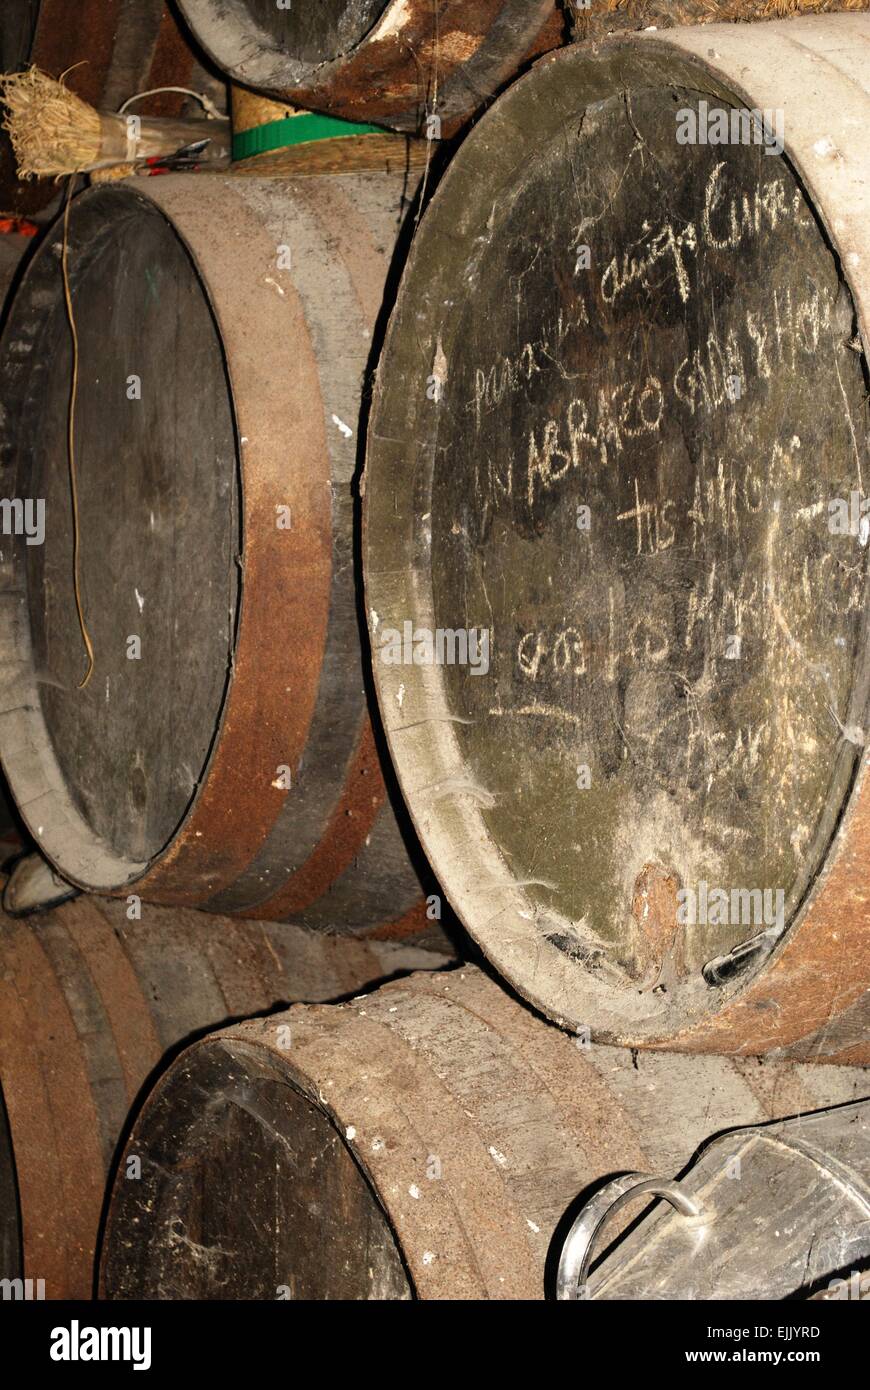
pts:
[63, 834]
[230, 31]
[425, 753]
[282, 1071]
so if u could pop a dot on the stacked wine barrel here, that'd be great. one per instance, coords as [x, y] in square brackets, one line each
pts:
[452, 548]
[430, 1137]
[221, 753]
[628, 478]
[92, 1003]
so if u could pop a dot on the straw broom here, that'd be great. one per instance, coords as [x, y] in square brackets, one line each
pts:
[54, 132]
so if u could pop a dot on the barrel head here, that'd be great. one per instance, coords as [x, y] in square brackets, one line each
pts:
[157, 512]
[253, 1195]
[619, 439]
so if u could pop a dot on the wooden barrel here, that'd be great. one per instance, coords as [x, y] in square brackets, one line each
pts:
[109, 51]
[221, 754]
[394, 62]
[616, 449]
[92, 1004]
[423, 1141]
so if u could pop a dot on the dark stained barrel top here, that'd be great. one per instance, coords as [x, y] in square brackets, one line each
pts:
[659, 333]
[158, 509]
[252, 1195]
[689, 648]
[393, 62]
[312, 33]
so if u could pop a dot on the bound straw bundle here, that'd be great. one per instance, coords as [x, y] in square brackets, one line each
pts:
[602, 16]
[54, 132]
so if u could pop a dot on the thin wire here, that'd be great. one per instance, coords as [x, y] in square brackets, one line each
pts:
[206, 102]
[71, 435]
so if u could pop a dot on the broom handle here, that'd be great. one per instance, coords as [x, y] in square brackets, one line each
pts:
[124, 139]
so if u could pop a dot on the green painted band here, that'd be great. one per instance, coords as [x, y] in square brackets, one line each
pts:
[295, 130]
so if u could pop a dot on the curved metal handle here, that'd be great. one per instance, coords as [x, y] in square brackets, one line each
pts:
[576, 1254]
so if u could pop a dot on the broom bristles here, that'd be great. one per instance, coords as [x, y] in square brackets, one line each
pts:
[52, 130]
[697, 11]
